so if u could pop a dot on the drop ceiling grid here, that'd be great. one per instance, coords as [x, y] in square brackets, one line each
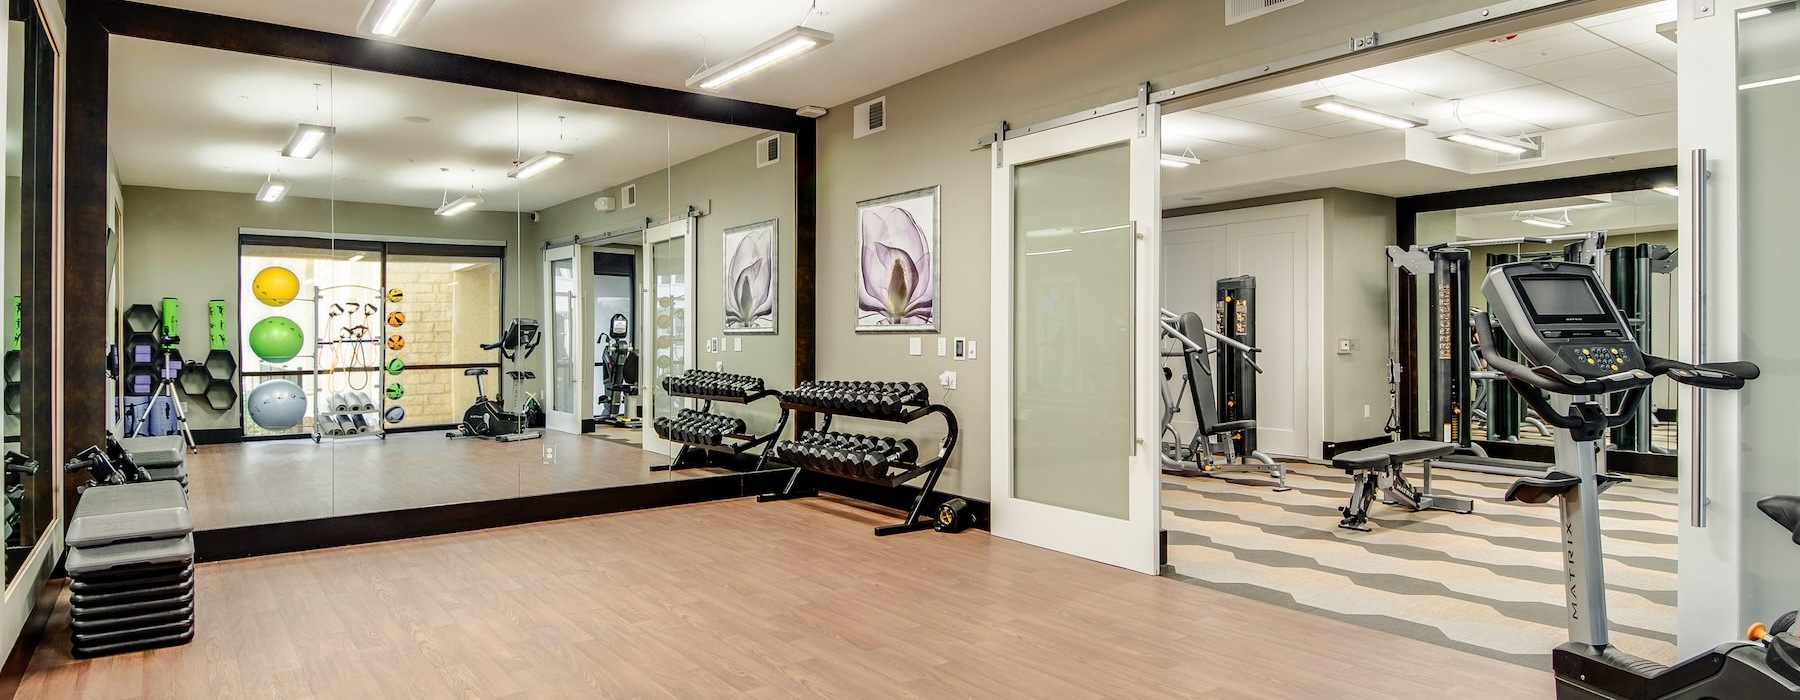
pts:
[1591, 71]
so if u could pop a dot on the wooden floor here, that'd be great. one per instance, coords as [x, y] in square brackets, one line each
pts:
[281, 480]
[740, 599]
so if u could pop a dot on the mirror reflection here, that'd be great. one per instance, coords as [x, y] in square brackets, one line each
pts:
[27, 506]
[393, 293]
[1630, 236]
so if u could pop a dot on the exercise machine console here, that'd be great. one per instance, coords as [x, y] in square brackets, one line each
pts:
[1577, 349]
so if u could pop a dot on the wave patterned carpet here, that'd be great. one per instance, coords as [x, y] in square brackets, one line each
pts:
[1487, 582]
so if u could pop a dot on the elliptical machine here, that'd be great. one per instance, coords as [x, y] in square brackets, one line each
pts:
[487, 418]
[1580, 350]
[621, 365]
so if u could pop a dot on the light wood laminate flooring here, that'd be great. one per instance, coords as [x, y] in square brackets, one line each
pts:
[741, 599]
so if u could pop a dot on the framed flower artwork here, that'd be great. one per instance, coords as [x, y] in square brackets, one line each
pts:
[751, 276]
[897, 266]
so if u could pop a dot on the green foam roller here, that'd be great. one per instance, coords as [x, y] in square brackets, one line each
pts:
[215, 318]
[171, 316]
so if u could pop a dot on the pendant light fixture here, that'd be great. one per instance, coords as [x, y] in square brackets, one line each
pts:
[463, 203]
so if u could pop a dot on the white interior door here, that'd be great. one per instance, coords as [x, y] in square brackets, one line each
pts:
[1075, 294]
[668, 321]
[565, 385]
[1739, 87]
[1273, 244]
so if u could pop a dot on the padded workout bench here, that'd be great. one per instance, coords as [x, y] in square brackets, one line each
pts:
[1382, 466]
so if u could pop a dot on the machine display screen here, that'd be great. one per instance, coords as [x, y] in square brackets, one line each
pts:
[1557, 298]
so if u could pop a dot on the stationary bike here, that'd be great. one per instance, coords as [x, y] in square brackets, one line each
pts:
[1580, 350]
[621, 364]
[487, 418]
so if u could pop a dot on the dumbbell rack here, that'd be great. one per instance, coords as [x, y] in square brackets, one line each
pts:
[741, 442]
[896, 473]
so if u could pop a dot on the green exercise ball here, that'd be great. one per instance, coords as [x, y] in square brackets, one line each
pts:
[276, 339]
[396, 366]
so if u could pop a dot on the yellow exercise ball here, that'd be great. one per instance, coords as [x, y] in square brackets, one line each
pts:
[275, 285]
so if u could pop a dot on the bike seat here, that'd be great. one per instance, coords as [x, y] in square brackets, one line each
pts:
[475, 372]
[1784, 510]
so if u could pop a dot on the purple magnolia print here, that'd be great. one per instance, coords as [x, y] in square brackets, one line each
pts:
[897, 273]
[750, 279]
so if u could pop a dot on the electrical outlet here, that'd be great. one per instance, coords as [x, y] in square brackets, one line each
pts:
[947, 380]
[718, 366]
[737, 344]
[943, 347]
[1346, 345]
[1366, 413]
[915, 347]
[549, 455]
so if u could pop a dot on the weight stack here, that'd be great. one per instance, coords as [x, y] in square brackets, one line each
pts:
[131, 569]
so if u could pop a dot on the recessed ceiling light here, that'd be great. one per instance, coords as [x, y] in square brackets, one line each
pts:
[1339, 106]
[538, 164]
[307, 140]
[1488, 142]
[388, 18]
[784, 46]
[462, 204]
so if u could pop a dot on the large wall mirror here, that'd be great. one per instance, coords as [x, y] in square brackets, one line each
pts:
[360, 292]
[1631, 220]
[30, 82]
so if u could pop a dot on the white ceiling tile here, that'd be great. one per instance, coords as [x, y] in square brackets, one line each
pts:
[1302, 119]
[1372, 92]
[1503, 41]
[1648, 74]
[1665, 9]
[1659, 49]
[1519, 54]
[1612, 59]
[1641, 100]
[1347, 127]
[1203, 149]
[1259, 112]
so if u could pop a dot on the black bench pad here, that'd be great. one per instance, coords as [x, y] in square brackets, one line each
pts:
[1392, 453]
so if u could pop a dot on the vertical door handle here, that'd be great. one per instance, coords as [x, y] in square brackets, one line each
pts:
[1697, 189]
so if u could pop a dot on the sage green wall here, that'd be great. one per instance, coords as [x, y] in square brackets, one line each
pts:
[184, 244]
[932, 123]
[731, 191]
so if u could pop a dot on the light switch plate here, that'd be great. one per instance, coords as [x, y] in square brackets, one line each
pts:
[971, 348]
[943, 347]
[915, 346]
[737, 344]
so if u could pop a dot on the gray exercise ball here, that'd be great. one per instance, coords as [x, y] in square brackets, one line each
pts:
[277, 405]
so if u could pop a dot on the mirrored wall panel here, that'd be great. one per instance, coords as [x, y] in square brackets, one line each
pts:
[28, 506]
[355, 292]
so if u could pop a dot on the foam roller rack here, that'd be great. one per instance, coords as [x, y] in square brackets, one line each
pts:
[131, 569]
[702, 431]
[883, 461]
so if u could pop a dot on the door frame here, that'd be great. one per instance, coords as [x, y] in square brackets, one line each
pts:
[598, 395]
[1131, 543]
[681, 227]
[567, 421]
[1314, 339]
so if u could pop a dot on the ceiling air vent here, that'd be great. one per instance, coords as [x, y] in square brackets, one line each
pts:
[768, 151]
[871, 117]
[1240, 10]
[628, 196]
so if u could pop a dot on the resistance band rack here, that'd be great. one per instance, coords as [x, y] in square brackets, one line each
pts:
[374, 338]
[732, 443]
[890, 474]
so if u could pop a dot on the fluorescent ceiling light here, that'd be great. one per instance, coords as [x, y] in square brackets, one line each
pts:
[1175, 161]
[1545, 221]
[307, 140]
[1488, 142]
[788, 44]
[1752, 14]
[357, 257]
[272, 191]
[1771, 81]
[388, 18]
[1120, 227]
[538, 164]
[459, 206]
[1050, 252]
[1669, 190]
[1363, 113]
